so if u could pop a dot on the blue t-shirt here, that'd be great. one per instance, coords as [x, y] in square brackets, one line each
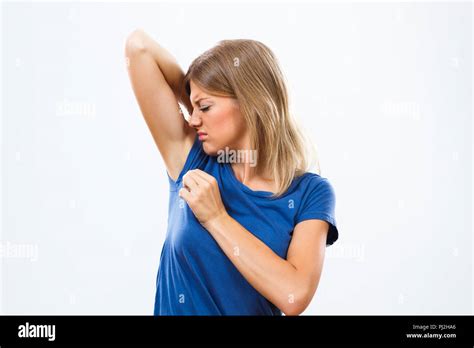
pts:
[195, 277]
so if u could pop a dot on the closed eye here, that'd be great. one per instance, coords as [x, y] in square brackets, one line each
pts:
[205, 108]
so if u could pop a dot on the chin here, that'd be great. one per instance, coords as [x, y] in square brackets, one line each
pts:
[209, 149]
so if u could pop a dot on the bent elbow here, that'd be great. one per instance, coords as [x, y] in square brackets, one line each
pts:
[135, 42]
[294, 309]
[297, 305]
[293, 312]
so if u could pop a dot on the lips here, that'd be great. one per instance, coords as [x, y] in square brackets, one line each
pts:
[202, 135]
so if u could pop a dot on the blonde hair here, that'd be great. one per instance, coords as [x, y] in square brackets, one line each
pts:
[248, 71]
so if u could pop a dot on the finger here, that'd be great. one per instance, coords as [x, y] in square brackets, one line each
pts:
[201, 180]
[204, 182]
[190, 182]
[184, 193]
[204, 176]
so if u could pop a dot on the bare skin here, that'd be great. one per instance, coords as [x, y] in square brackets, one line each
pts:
[155, 77]
[289, 283]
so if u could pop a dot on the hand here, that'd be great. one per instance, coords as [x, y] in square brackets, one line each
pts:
[201, 192]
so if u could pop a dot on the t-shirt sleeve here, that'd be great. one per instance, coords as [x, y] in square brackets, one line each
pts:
[196, 158]
[319, 203]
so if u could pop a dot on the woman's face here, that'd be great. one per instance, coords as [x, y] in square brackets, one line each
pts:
[219, 118]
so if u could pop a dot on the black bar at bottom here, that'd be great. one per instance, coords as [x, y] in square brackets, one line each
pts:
[136, 330]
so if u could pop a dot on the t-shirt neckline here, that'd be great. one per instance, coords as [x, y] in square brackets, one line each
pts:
[245, 188]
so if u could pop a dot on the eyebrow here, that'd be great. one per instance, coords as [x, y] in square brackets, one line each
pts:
[197, 100]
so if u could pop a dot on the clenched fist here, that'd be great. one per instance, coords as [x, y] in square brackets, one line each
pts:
[201, 191]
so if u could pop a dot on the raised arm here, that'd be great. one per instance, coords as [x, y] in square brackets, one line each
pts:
[156, 80]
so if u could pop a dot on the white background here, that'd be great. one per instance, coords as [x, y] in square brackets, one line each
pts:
[383, 90]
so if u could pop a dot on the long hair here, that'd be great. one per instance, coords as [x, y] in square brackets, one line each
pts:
[248, 71]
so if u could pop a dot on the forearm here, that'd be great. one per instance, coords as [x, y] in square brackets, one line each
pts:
[167, 64]
[272, 276]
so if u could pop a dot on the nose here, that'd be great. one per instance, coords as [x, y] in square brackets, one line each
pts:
[194, 119]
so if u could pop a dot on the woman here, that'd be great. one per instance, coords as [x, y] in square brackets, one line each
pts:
[244, 237]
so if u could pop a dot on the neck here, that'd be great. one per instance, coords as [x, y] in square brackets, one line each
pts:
[245, 165]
